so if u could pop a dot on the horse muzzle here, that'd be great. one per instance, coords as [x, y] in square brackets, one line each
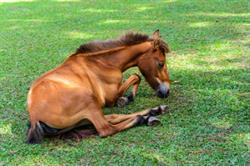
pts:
[163, 90]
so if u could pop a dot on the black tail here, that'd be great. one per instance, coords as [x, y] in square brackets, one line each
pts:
[35, 134]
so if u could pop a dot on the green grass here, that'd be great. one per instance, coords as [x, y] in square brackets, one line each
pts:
[209, 119]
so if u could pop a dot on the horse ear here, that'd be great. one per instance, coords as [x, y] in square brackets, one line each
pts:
[156, 38]
[156, 34]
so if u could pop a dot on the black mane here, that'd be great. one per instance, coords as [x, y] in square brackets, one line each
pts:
[129, 38]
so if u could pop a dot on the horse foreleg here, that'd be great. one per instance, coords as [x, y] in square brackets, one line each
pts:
[134, 80]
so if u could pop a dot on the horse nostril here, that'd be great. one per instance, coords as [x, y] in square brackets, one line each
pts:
[162, 94]
[168, 93]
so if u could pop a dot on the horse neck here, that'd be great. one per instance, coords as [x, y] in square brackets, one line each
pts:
[125, 57]
[136, 52]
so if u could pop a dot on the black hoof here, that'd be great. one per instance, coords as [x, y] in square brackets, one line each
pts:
[153, 121]
[130, 98]
[122, 101]
[141, 120]
[147, 120]
[158, 110]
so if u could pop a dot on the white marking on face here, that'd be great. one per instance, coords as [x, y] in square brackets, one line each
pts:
[165, 83]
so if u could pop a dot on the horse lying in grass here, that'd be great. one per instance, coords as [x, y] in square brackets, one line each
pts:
[73, 94]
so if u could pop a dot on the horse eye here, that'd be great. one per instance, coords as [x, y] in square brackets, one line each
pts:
[160, 65]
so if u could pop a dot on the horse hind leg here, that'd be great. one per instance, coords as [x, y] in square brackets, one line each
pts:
[105, 125]
[137, 121]
[121, 121]
[117, 118]
[102, 125]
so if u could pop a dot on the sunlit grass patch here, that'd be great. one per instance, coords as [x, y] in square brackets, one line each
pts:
[67, 0]
[79, 35]
[5, 129]
[200, 24]
[13, 1]
[220, 123]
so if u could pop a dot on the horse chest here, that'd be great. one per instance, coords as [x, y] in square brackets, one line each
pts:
[111, 92]
[105, 87]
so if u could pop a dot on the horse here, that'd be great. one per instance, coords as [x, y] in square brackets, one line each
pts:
[74, 93]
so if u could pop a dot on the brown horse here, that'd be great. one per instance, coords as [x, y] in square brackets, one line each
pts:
[74, 93]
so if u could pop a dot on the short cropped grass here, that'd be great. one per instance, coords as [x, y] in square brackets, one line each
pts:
[209, 119]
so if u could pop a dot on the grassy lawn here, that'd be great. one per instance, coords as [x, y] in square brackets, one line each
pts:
[209, 119]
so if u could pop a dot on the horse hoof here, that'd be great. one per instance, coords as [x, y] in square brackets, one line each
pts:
[153, 121]
[158, 110]
[122, 101]
[163, 108]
